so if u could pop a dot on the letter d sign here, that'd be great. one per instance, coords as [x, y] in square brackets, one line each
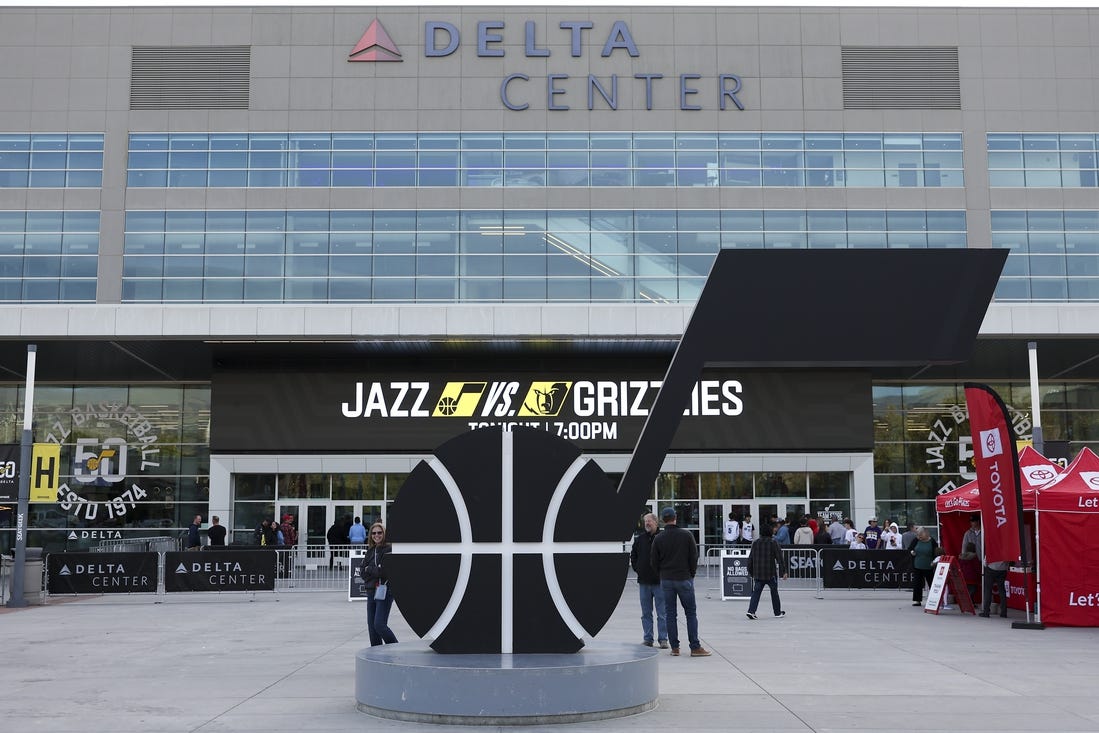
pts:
[45, 464]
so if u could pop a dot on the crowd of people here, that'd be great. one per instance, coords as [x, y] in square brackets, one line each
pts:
[740, 530]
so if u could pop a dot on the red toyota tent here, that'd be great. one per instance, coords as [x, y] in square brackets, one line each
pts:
[957, 506]
[1068, 545]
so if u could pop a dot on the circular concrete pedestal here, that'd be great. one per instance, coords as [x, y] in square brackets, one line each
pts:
[411, 682]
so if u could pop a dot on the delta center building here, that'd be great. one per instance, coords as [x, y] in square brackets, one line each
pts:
[271, 257]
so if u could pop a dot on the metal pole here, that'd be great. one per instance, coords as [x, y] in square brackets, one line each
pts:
[17, 600]
[1033, 615]
[1035, 400]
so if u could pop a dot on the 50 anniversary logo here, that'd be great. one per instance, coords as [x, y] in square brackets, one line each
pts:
[115, 442]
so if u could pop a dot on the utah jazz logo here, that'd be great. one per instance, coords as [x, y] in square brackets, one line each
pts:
[544, 399]
[459, 399]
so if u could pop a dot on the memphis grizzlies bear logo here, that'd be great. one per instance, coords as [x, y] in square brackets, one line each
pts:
[508, 542]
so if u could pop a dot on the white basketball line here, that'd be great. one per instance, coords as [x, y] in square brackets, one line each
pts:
[465, 548]
[548, 569]
[520, 548]
[507, 548]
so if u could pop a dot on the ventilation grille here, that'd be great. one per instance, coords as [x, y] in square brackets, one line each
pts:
[910, 77]
[189, 77]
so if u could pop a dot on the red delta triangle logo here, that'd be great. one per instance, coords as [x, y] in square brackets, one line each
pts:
[375, 45]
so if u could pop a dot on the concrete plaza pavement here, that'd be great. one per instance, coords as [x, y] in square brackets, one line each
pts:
[852, 660]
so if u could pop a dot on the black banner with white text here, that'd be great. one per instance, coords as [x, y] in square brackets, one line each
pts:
[101, 572]
[220, 570]
[843, 568]
[416, 408]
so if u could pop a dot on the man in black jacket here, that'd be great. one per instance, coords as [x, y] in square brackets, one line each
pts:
[764, 566]
[674, 557]
[649, 583]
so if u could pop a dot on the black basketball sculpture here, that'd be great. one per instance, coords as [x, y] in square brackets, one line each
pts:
[512, 542]
[508, 542]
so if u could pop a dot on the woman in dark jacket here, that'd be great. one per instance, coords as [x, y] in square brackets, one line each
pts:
[923, 551]
[378, 600]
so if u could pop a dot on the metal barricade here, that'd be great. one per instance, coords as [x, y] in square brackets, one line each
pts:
[802, 565]
[136, 544]
[314, 567]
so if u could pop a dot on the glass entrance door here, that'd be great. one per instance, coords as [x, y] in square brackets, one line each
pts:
[767, 510]
[714, 516]
[310, 519]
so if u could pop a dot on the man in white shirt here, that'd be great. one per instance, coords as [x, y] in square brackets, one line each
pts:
[732, 530]
[747, 530]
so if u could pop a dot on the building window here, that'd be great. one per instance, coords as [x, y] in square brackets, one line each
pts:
[1052, 254]
[566, 159]
[446, 256]
[48, 256]
[51, 160]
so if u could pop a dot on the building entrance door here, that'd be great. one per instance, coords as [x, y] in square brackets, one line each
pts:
[714, 516]
[788, 509]
[311, 520]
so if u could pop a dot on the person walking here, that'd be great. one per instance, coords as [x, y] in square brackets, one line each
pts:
[764, 568]
[648, 583]
[674, 557]
[194, 542]
[379, 601]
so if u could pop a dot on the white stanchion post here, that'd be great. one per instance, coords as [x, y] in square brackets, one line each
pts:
[23, 507]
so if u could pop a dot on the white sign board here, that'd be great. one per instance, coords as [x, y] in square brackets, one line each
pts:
[937, 592]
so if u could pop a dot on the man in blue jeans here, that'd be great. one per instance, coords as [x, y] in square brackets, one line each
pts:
[764, 567]
[674, 556]
[652, 595]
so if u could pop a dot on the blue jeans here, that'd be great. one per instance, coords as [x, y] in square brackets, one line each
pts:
[757, 591]
[653, 596]
[377, 620]
[684, 590]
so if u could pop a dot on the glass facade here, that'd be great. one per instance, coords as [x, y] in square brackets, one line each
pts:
[51, 161]
[923, 446]
[258, 496]
[480, 255]
[48, 256]
[815, 491]
[1042, 160]
[1053, 255]
[573, 159]
[133, 457]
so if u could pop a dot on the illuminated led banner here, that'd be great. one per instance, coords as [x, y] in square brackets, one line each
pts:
[402, 410]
